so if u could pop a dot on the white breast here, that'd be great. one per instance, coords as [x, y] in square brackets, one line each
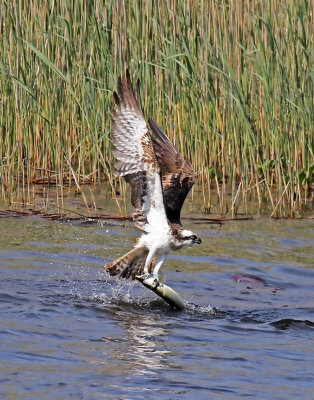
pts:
[159, 239]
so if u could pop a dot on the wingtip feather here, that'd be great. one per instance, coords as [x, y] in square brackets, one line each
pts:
[116, 98]
[158, 132]
[127, 74]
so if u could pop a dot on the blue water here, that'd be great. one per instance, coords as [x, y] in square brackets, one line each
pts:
[68, 331]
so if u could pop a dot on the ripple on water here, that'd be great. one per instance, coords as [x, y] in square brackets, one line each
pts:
[67, 330]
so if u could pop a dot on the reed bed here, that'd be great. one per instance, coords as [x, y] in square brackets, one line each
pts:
[230, 81]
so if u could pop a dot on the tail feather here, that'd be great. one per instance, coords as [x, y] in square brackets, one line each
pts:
[130, 264]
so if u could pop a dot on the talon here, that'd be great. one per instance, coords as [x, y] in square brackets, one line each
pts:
[152, 281]
[142, 277]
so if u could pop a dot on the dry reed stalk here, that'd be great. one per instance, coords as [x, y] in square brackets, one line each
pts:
[230, 82]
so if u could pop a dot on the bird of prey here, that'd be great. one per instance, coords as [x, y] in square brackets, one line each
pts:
[160, 179]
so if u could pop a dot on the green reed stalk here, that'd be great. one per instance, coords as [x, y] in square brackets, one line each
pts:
[230, 82]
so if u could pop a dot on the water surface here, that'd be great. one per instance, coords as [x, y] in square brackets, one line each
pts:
[67, 330]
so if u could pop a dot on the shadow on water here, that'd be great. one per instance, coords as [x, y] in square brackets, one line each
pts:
[68, 330]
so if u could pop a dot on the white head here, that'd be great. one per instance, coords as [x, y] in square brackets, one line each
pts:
[189, 237]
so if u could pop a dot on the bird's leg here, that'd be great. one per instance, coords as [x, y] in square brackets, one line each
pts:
[158, 265]
[148, 261]
[153, 280]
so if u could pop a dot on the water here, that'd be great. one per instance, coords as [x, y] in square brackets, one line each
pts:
[68, 331]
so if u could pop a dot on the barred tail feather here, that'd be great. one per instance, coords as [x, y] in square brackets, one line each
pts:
[129, 265]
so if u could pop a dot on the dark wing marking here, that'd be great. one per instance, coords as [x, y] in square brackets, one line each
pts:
[136, 159]
[176, 172]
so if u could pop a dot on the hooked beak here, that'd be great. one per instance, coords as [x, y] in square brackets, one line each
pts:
[197, 241]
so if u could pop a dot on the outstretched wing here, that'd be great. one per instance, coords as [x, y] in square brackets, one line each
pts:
[177, 173]
[136, 159]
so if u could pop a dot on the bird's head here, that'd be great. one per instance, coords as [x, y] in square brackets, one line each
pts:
[188, 237]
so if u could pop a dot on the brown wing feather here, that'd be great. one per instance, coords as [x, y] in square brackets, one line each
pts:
[131, 139]
[177, 173]
[136, 160]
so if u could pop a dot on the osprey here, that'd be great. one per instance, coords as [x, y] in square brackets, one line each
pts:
[160, 179]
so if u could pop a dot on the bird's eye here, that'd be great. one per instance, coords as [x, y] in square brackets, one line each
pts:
[193, 237]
